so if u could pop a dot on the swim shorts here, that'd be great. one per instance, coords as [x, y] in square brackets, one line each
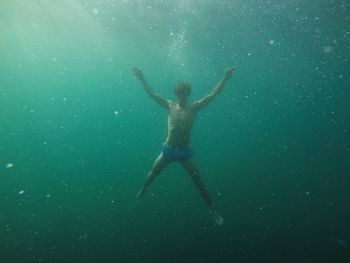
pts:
[176, 154]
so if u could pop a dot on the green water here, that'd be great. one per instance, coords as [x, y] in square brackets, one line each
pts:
[78, 134]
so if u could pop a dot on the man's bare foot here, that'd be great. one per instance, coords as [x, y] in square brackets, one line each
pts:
[219, 220]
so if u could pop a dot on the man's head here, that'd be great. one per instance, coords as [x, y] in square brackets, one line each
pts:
[182, 91]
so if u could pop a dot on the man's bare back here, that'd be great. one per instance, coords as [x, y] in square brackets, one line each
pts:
[177, 145]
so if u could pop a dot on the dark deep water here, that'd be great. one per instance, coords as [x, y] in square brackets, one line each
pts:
[78, 134]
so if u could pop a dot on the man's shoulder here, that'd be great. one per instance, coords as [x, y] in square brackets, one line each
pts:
[172, 103]
[195, 105]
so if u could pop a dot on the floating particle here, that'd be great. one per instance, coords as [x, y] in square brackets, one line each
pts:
[21, 192]
[95, 11]
[249, 54]
[48, 196]
[116, 113]
[9, 165]
[327, 49]
[341, 242]
[83, 236]
[271, 42]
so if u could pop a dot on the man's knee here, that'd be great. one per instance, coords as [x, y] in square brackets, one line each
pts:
[150, 174]
[153, 173]
[195, 176]
[194, 172]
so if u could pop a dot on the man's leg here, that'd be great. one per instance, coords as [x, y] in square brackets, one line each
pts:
[192, 170]
[159, 164]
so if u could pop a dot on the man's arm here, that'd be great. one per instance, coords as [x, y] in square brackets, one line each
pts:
[216, 90]
[159, 99]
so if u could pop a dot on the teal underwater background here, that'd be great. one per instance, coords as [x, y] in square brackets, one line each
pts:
[78, 134]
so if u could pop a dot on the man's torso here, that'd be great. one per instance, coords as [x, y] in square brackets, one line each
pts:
[180, 123]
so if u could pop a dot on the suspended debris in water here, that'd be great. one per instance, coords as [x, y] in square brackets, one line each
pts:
[327, 49]
[9, 165]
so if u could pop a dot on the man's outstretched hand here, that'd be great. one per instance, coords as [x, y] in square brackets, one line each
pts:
[229, 72]
[138, 73]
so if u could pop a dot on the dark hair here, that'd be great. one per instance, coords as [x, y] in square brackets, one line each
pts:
[182, 87]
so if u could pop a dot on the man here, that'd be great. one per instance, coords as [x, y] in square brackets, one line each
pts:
[177, 145]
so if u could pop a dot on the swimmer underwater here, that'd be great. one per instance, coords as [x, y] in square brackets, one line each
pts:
[176, 148]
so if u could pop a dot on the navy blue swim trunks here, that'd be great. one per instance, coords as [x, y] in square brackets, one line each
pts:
[176, 154]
